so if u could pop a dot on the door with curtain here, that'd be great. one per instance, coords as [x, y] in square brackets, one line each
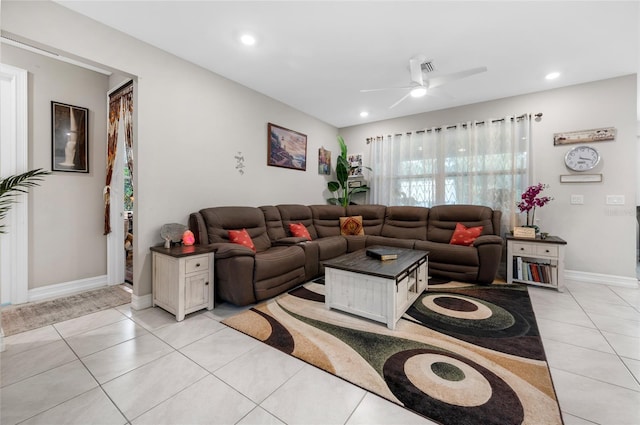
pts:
[119, 186]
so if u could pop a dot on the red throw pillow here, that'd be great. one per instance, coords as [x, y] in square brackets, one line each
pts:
[351, 226]
[241, 237]
[299, 230]
[465, 236]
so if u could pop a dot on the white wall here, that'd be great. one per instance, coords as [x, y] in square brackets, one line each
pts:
[65, 238]
[601, 238]
[190, 125]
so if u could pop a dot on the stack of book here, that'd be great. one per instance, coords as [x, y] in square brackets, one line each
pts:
[383, 254]
[534, 271]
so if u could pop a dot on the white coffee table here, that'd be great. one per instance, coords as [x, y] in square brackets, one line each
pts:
[375, 289]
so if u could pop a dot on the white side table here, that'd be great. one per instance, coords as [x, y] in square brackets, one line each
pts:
[182, 279]
[538, 262]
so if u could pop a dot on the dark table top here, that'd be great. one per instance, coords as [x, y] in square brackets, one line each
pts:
[548, 239]
[182, 250]
[359, 262]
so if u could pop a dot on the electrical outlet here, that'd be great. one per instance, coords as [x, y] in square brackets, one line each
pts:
[577, 199]
[615, 199]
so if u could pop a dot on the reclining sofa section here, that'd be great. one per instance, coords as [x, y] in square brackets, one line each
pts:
[281, 261]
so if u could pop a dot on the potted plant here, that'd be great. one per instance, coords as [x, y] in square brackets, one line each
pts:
[340, 189]
[13, 186]
[531, 200]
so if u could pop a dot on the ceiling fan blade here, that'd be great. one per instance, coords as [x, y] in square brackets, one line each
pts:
[439, 81]
[385, 88]
[438, 92]
[398, 102]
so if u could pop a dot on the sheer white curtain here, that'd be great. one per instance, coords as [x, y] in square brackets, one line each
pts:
[480, 163]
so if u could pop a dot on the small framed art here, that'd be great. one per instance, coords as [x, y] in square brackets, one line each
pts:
[69, 138]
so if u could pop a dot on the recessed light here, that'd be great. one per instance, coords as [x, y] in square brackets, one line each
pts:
[364, 114]
[248, 39]
[552, 75]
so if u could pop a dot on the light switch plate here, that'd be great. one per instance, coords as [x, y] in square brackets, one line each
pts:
[577, 199]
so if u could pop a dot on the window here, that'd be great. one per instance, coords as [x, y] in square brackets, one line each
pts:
[473, 163]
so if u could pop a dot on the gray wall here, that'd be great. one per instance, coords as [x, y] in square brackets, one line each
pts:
[601, 238]
[190, 125]
[65, 212]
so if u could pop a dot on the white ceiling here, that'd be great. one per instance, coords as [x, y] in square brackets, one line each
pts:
[316, 56]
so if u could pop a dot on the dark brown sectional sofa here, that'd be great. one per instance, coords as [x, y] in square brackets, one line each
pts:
[282, 261]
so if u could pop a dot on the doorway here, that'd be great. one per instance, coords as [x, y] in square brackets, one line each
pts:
[120, 240]
[14, 248]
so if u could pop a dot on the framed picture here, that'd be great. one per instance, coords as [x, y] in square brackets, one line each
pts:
[324, 161]
[355, 161]
[69, 138]
[287, 148]
[585, 136]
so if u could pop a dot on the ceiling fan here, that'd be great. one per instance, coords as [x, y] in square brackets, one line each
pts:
[418, 66]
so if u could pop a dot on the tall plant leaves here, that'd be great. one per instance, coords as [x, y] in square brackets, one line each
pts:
[13, 186]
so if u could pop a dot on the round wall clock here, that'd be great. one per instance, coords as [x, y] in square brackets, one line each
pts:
[582, 158]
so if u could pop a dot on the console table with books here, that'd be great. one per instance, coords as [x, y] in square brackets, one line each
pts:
[537, 261]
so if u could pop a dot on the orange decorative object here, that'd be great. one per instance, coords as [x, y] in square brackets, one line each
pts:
[188, 238]
[464, 235]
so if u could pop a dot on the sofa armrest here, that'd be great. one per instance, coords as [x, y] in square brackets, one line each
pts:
[489, 255]
[290, 240]
[488, 239]
[228, 250]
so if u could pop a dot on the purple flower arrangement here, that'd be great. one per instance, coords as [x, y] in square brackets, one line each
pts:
[531, 200]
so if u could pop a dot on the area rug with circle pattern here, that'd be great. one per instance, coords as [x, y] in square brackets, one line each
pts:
[462, 354]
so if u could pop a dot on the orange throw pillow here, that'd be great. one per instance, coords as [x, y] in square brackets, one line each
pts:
[465, 236]
[351, 226]
[299, 230]
[241, 237]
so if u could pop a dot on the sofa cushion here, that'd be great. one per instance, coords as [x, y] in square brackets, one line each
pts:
[464, 235]
[296, 213]
[351, 226]
[446, 253]
[241, 237]
[406, 222]
[444, 218]
[219, 220]
[326, 219]
[372, 217]
[331, 247]
[299, 230]
[278, 260]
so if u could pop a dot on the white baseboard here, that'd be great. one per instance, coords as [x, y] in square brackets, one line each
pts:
[140, 302]
[603, 279]
[67, 288]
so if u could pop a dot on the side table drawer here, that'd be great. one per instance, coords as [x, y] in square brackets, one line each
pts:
[547, 249]
[196, 264]
[523, 248]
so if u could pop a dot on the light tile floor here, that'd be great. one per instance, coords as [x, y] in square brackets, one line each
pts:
[121, 366]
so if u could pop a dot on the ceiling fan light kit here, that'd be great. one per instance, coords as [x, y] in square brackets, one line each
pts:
[418, 91]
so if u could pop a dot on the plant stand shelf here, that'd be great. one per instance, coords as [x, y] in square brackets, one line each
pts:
[538, 262]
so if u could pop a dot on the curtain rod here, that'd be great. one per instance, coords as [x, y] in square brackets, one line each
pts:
[447, 127]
